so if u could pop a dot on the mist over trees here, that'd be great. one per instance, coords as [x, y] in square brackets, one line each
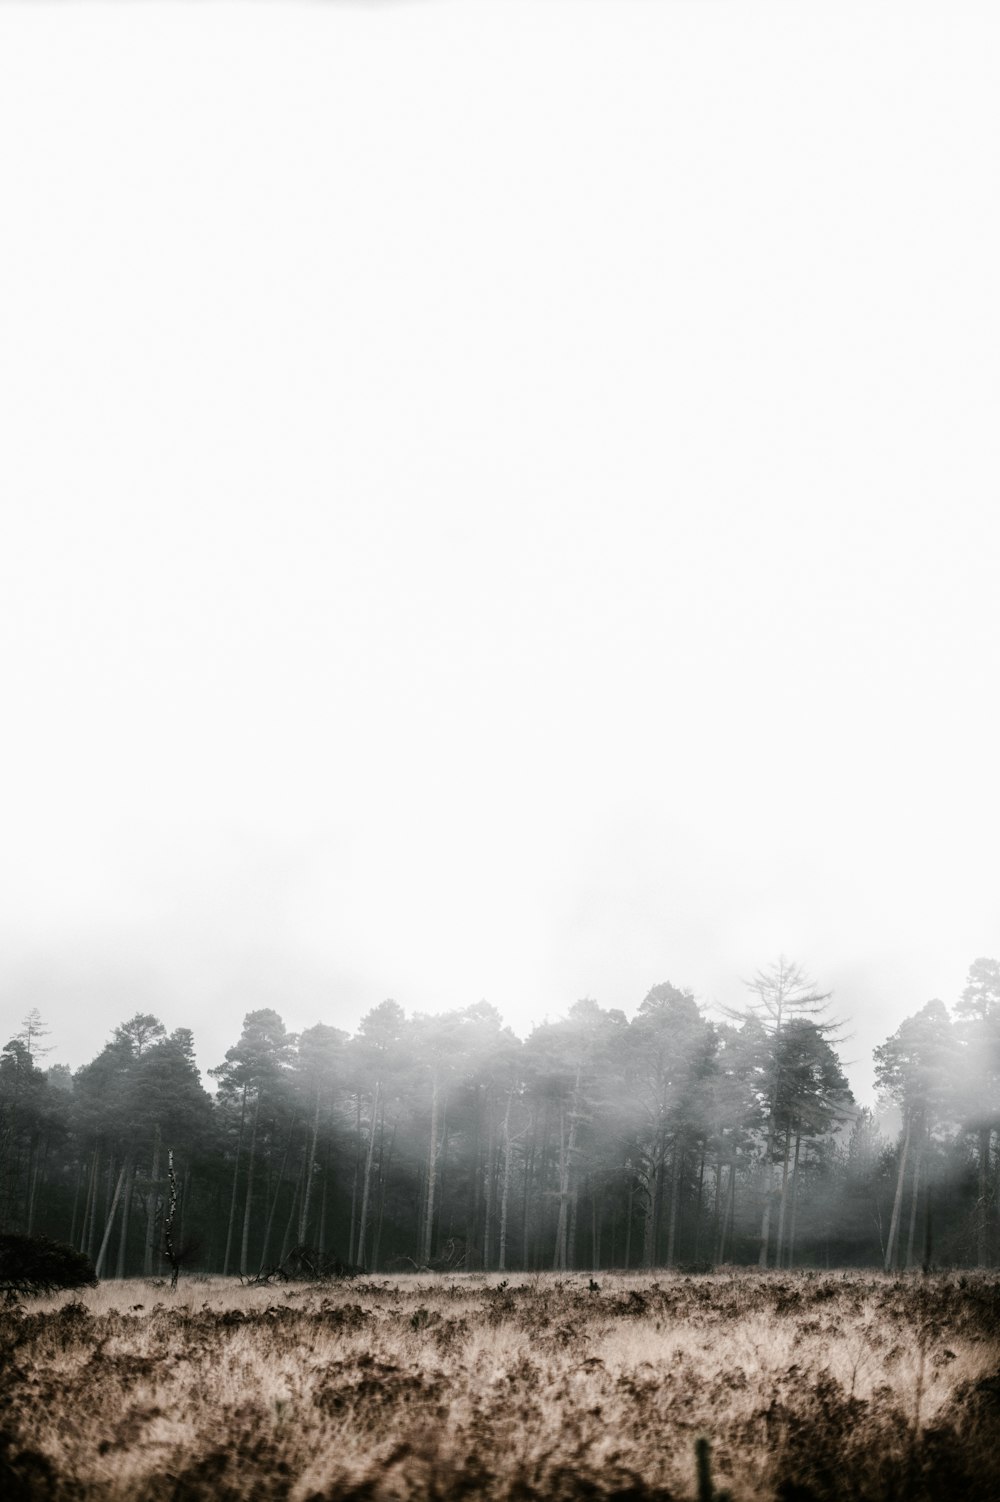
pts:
[674, 1139]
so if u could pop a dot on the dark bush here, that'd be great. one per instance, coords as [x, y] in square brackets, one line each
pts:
[34, 1264]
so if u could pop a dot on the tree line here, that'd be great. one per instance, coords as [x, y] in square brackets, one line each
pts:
[673, 1139]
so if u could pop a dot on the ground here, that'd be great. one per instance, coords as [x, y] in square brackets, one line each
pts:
[808, 1387]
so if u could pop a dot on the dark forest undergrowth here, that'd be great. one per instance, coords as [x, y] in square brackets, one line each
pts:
[810, 1388]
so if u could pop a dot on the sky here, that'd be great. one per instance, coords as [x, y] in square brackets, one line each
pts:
[499, 501]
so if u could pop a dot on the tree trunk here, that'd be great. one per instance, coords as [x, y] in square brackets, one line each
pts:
[652, 1206]
[90, 1207]
[529, 1174]
[559, 1252]
[76, 1202]
[728, 1211]
[697, 1204]
[675, 1178]
[717, 1208]
[236, 1171]
[795, 1201]
[384, 1163]
[321, 1238]
[367, 1182]
[428, 1240]
[490, 1186]
[505, 1186]
[268, 1229]
[352, 1237]
[897, 1204]
[152, 1198]
[914, 1194]
[32, 1190]
[473, 1219]
[185, 1201]
[310, 1170]
[99, 1265]
[247, 1208]
[765, 1223]
[286, 1240]
[574, 1196]
[780, 1239]
[123, 1235]
[982, 1208]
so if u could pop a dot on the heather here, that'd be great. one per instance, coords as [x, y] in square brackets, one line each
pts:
[807, 1387]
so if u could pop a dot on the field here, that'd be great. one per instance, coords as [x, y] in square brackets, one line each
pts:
[810, 1388]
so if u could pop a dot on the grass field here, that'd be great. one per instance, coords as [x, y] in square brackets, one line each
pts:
[827, 1386]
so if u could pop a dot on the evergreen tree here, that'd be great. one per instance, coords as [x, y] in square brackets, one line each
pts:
[979, 1032]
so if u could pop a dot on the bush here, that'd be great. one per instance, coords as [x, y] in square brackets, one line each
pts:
[34, 1264]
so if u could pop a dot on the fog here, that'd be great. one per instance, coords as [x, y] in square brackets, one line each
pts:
[499, 506]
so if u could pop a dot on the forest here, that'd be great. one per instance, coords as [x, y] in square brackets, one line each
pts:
[672, 1139]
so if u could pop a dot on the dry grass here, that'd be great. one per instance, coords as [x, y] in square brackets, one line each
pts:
[828, 1387]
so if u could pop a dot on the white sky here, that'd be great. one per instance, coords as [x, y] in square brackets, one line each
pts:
[499, 500]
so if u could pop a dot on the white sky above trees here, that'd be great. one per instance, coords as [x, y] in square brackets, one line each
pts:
[500, 501]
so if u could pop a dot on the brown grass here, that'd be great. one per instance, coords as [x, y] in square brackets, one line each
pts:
[827, 1387]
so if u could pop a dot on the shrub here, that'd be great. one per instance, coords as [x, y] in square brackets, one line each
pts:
[34, 1264]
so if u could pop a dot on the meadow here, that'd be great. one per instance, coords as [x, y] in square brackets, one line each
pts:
[808, 1388]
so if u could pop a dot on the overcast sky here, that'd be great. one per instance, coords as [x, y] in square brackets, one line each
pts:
[500, 500]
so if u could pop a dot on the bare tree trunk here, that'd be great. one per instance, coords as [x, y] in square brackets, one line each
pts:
[574, 1197]
[32, 1189]
[505, 1186]
[245, 1243]
[321, 1236]
[185, 1201]
[982, 1208]
[274, 1200]
[897, 1204]
[652, 1206]
[675, 1178]
[310, 1169]
[169, 1244]
[428, 1239]
[722, 1202]
[717, 1207]
[99, 1265]
[286, 1240]
[384, 1162]
[795, 1200]
[89, 1207]
[123, 1235]
[152, 1197]
[914, 1194]
[780, 1239]
[421, 1196]
[76, 1202]
[352, 1239]
[367, 1183]
[529, 1175]
[232, 1202]
[765, 1223]
[698, 1202]
[728, 1211]
[32, 1194]
[490, 1187]
[559, 1252]
[473, 1221]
